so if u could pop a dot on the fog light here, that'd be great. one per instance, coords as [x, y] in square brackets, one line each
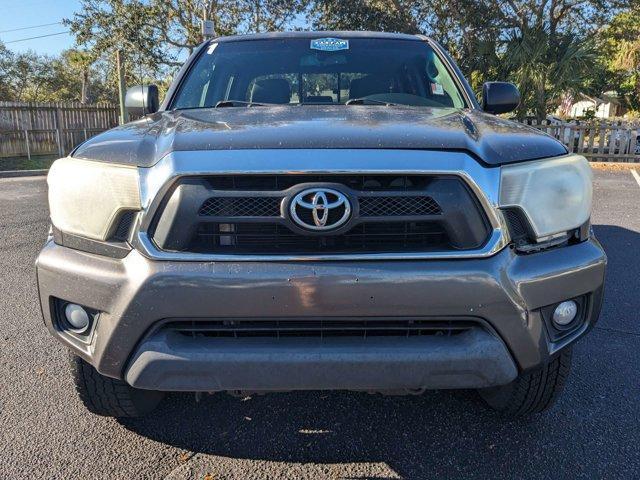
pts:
[76, 316]
[565, 313]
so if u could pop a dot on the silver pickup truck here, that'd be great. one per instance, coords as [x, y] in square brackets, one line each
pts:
[320, 211]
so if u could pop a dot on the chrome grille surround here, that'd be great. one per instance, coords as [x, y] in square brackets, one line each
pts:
[158, 180]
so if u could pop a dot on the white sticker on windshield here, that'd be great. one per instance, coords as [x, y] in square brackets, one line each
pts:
[437, 89]
[212, 47]
[329, 44]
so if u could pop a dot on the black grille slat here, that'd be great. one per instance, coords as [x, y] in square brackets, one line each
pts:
[124, 226]
[274, 238]
[241, 207]
[398, 206]
[370, 206]
[319, 328]
[516, 222]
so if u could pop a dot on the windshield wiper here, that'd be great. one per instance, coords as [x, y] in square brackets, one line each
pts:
[240, 103]
[369, 101]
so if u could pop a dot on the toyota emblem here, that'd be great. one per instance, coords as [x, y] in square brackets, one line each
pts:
[320, 209]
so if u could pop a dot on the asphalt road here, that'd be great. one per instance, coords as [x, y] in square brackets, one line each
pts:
[593, 432]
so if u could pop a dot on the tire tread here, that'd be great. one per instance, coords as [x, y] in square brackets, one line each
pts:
[108, 396]
[532, 392]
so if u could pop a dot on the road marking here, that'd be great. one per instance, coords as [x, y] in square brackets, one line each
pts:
[636, 176]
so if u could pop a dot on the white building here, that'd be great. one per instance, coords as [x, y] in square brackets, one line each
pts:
[605, 107]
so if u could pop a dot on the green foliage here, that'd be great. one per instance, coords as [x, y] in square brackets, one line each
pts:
[105, 26]
[373, 15]
[546, 67]
[152, 34]
[620, 46]
[29, 77]
[6, 74]
[178, 22]
[589, 114]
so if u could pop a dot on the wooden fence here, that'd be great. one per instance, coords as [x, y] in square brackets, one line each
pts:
[30, 129]
[597, 140]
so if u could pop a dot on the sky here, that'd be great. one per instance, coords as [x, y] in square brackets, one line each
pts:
[28, 13]
[19, 15]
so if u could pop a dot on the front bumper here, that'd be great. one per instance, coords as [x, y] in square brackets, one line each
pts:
[504, 292]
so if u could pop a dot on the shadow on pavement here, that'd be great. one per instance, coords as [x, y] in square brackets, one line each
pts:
[410, 434]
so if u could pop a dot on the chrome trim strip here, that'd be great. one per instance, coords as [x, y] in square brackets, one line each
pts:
[493, 246]
[157, 180]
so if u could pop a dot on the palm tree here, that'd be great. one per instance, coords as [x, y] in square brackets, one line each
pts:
[620, 44]
[81, 61]
[546, 66]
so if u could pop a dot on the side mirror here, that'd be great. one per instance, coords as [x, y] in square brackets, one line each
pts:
[141, 100]
[500, 97]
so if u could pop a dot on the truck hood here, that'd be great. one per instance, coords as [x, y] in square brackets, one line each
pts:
[491, 139]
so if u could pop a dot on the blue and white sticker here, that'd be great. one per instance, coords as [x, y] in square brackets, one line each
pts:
[329, 44]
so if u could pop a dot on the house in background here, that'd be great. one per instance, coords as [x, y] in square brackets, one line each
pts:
[607, 105]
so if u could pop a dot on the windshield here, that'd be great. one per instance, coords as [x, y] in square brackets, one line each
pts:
[299, 71]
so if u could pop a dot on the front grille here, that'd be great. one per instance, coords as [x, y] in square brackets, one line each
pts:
[241, 207]
[319, 328]
[517, 224]
[277, 239]
[250, 215]
[377, 206]
[398, 206]
[121, 234]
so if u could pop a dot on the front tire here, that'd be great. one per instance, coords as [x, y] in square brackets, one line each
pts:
[108, 396]
[532, 392]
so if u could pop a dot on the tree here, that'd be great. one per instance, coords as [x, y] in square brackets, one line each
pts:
[6, 61]
[106, 26]
[80, 61]
[154, 33]
[180, 25]
[31, 74]
[27, 76]
[620, 46]
[119, 29]
[374, 15]
[546, 67]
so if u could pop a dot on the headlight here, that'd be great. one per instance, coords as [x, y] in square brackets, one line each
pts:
[85, 198]
[554, 194]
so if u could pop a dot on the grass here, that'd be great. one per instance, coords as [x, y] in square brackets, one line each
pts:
[37, 162]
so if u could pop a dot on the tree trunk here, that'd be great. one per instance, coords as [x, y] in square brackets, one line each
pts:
[541, 99]
[85, 87]
[256, 16]
[541, 106]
